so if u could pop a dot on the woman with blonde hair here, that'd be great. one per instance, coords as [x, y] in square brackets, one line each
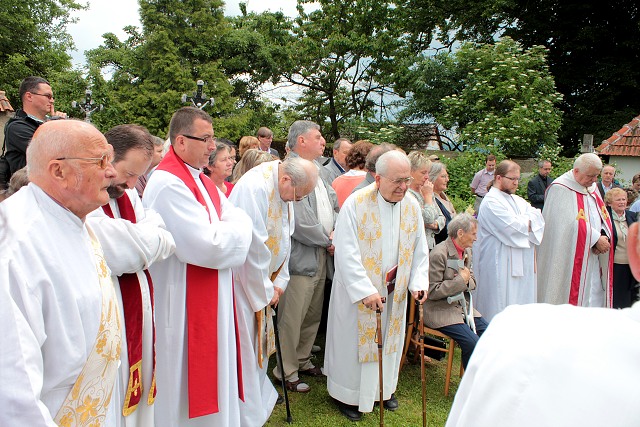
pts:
[422, 189]
[624, 285]
[252, 158]
[247, 143]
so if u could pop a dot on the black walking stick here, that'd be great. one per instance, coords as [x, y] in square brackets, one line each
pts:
[422, 369]
[379, 340]
[279, 360]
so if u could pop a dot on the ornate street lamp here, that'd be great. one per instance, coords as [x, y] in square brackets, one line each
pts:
[198, 99]
[88, 106]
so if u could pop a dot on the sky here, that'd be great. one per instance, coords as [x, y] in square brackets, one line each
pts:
[113, 15]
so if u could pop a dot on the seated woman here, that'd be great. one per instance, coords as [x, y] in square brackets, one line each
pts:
[624, 285]
[449, 275]
[220, 167]
[422, 189]
[345, 183]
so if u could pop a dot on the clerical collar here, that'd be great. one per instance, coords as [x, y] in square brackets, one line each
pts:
[382, 197]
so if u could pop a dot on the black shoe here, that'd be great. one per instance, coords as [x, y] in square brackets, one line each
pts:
[391, 404]
[349, 411]
[280, 400]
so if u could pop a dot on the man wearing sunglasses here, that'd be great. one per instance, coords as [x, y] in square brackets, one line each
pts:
[37, 103]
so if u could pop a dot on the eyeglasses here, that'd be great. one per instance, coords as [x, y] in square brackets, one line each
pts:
[512, 179]
[47, 95]
[400, 181]
[203, 139]
[297, 199]
[102, 162]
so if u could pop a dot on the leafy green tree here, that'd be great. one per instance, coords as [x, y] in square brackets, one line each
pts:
[501, 94]
[592, 47]
[34, 41]
[338, 56]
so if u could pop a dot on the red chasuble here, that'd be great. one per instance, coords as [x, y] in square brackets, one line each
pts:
[133, 320]
[202, 309]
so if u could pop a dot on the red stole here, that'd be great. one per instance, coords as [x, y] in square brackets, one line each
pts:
[202, 308]
[133, 320]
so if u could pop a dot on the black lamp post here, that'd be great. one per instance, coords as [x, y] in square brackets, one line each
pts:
[88, 106]
[198, 99]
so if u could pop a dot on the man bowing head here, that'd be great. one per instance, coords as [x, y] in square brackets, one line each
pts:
[381, 251]
[198, 363]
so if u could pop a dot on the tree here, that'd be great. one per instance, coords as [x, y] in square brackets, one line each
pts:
[338, 56]
[493, 94]
[33, 40]
[593, 50]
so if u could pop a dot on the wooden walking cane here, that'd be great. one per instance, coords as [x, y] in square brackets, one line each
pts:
[279, 360]
[379, 341]
[422, 369]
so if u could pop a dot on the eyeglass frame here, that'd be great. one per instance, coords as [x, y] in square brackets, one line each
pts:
[47, 95]
[295, 198]
[510, 178]
[201, 139]
[102, 161]
[399, 181]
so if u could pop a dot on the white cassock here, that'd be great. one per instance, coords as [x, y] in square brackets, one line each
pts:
[538, 365]
[348, 380]
[254, 289]
[50, 302]
[504, 262]
[212, 244]
[132, 248]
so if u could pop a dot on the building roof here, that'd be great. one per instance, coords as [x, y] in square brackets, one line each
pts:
[5, 105]
[625, 142]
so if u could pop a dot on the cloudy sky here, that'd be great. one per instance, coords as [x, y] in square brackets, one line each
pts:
[113, 15]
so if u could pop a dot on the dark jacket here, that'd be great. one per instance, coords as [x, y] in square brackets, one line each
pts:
[17, 136]
[536, 189]
[601, 188]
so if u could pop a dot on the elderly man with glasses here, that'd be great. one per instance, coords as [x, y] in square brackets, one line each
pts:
[37, 106]
[381, 252]
[509, 229]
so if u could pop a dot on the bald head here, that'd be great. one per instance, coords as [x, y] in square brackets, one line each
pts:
[298, 173]
[71, 161]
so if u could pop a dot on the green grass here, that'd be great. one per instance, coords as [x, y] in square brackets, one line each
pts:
[316, 408]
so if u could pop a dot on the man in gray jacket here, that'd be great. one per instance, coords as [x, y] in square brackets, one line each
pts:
[300, 307]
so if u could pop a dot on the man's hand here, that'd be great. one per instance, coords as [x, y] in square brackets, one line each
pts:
[420, 296]
[276, 296]
[465, 274]
[601, 246]
[373, 302]
[56, 114]
[331, 249]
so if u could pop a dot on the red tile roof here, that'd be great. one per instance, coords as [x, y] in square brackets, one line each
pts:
[625, 142]
[4, 102]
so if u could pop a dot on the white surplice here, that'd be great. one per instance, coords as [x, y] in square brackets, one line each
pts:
[132, 248]
[254, 289]
[348, 380]
[50, 301]
[537, 365]
[504, 262]
[217, 244]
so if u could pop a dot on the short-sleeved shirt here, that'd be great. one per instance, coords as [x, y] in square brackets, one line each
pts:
[480, 181]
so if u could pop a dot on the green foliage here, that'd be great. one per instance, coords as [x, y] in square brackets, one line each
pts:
[493, 94]
[378, 134]
[461, 170]
[559, 164]
[33, 41]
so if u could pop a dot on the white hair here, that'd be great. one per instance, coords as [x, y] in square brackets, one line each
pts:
[382, 165]
[587, 161]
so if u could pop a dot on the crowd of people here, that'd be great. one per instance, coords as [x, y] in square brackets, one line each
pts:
[140, 279]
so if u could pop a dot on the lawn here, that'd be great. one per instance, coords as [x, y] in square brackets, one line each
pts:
[316, 408]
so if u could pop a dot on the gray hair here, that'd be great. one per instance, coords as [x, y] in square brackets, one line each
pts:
[220, 146]
[294, 167]
[382, 165]
[542, 162]
[299, 127]
[436, 170]
[587, 161]
[462, 221]
[158, 142]
[374, 155]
